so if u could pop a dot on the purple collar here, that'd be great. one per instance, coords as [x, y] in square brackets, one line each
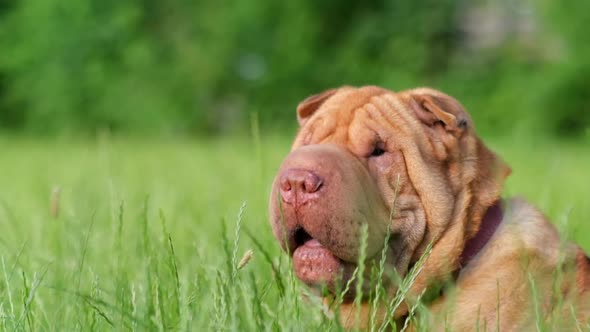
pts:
[489, 224]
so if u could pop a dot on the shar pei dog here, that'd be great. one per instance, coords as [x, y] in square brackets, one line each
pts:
[403, 175]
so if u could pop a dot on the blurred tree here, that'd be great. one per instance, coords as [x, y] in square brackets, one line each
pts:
[184, 67]
[564, 103]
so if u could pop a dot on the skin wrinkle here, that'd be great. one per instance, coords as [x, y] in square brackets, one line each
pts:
[392, 118]
[400, 256]
[394, 103]
[376, 112]
[389, 101]
[419, 250]
[425, 238]
[325, 132]
[397, 102]
[376, 116]
[351, 127]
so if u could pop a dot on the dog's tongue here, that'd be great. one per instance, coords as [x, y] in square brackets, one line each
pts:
[314, 264]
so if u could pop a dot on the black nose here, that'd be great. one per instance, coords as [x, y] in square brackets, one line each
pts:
[298, 186]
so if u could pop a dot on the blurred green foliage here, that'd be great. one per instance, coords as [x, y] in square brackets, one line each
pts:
[204, 67]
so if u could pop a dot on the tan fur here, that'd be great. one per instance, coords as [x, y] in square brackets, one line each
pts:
[442, 179]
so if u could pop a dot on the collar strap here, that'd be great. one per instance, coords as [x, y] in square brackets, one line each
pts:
[489, 224]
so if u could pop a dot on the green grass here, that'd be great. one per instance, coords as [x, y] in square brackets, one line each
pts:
[149, 233]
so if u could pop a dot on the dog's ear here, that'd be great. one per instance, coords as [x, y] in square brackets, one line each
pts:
[307, 107]
[445, 120]
[433, 107]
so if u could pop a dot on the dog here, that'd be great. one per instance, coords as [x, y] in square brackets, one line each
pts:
[370, 165]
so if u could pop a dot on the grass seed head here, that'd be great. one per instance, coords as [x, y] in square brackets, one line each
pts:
[54, 202]
[246, 258]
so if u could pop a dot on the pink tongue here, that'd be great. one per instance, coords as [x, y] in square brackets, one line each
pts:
[312, 243]
[315, 264]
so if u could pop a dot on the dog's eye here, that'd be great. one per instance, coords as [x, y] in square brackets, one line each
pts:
[377, 151]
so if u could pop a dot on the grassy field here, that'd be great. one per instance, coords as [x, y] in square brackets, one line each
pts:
[148, 233]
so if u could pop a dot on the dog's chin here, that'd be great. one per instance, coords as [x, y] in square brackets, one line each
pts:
[320, 269]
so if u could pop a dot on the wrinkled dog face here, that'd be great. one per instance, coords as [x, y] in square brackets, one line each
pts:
[360, 153]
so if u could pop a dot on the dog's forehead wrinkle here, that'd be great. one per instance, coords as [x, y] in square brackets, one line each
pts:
[316, 130]
[371, 128]
[400, 103]
[349, 118]
[394, 119]
[360, 135]
[385, 128]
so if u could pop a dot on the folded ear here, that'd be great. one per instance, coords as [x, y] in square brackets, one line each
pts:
[307, 107]
[434, 107]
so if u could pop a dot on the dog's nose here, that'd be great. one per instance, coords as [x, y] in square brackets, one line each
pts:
[298, 186]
